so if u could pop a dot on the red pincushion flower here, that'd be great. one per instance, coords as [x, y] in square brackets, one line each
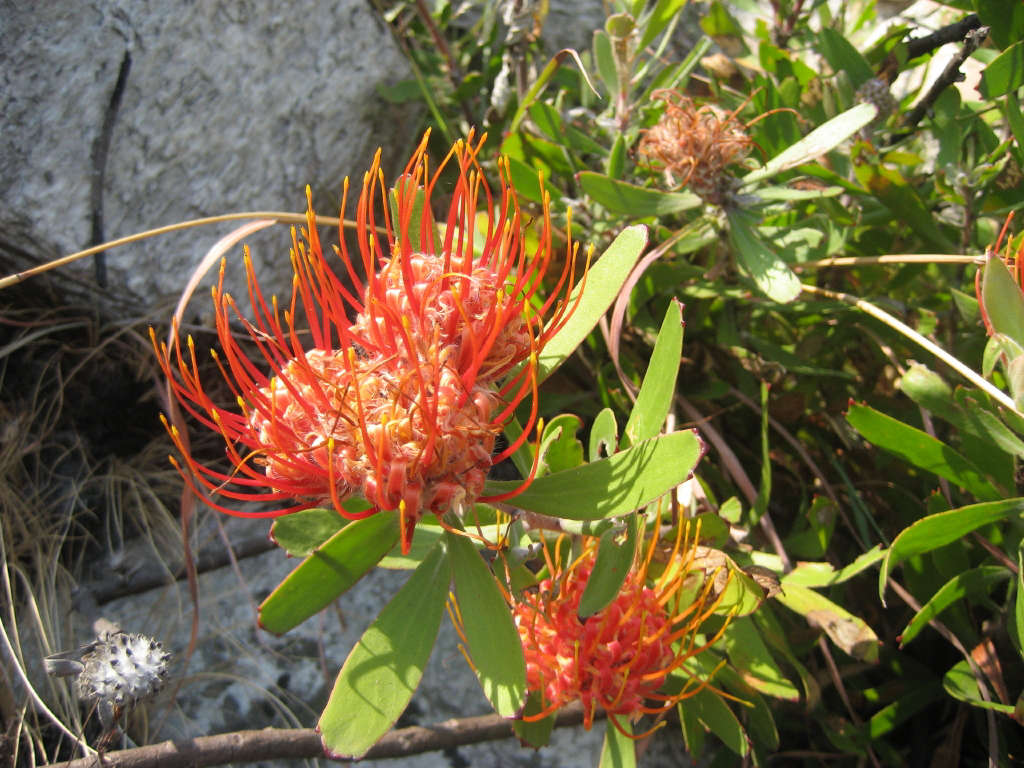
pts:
[618, 658]
[406, 376]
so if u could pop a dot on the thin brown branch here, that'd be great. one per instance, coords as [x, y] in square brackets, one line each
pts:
[950, 75]
[303, 743]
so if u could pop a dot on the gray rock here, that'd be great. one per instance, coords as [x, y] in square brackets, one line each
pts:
[224, 106]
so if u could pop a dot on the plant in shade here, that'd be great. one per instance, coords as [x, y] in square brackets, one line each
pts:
[402, 404]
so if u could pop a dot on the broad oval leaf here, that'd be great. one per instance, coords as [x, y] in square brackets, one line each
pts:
[491, 637]
[604, 435]
[1004, 74]
[943, 528]
[610, 487]
[329, 571]
[659, 385]
[754, 662]
[384, 668]
[603, 284]
[960, 683]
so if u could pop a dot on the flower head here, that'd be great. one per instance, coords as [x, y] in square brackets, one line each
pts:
[417, 352]
[696, 144]
[618, 658]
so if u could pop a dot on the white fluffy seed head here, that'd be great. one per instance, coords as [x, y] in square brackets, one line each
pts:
[121, 669]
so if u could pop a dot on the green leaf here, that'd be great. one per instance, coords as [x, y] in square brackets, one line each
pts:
[561, 449]
[384, 668]
[825, 575]
[536, 733]
[843, 57]
[617, 158]
[603, 283]
[919, 695]
[1004, 74]
[769, 272]
[1018, 613]
[428, 533]
[960, 683]
[614, 559]
[904, 202]
[764, 491]
[632, 201]
[329, 571]
[848, 632]
[716, 716]
[754, 662]
[821, 140]
[492, 639]
[604, 435]
[919, 449]
[659, 385]
[618, 750]
[964, 586]
[604, 56]
[1002, 300]
[943, 528]
[610, 487]
[301, 532]
[662, 13]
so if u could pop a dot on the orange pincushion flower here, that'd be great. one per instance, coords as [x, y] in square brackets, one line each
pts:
[401, 405]
[618, 658]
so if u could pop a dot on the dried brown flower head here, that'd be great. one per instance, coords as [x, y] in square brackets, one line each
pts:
[696, 145]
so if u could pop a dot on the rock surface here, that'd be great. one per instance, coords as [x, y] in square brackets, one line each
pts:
[179, 110]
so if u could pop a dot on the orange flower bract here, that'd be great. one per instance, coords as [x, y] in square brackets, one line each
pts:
[419, 346]
[618, 658]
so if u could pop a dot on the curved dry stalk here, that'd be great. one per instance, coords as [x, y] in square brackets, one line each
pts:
[277, 217]
[890, 258]
[880, 314]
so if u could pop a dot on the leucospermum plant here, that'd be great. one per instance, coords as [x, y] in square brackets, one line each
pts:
[367, 414]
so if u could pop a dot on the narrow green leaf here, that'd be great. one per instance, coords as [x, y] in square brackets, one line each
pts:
[943, 528]
[758, 715]
[1004, 74]
[824, 575]
[384, 668]
[633, 201]
[614, 486]
[961, 684]
[604, 56]
[920, 449]
[618, 750]
[491, 636]
[764, 491]
[821, 140]
[769, 272]
[617, 158]
[919, 695]
[964, 586]
[1018, 613]
[754, 662]
[329, 571]
[604, 435]
[843, 57]
[662, 13]
[848, 632]
[542, 81]
[615, 553]
[603, 284]
[1002, 299]
[659, 385]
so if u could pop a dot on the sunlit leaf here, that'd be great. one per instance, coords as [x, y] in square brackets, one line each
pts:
[766, 268]
[618, 750]
[940, 529]
[603, 284]
[1004, 74]
[329, 571]
[961, 684]
[491, 636]
[659, 385]
[753, 661]
[384, 668]
[604, 435]
[614, 486]
[964, 586]
[848, 632]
